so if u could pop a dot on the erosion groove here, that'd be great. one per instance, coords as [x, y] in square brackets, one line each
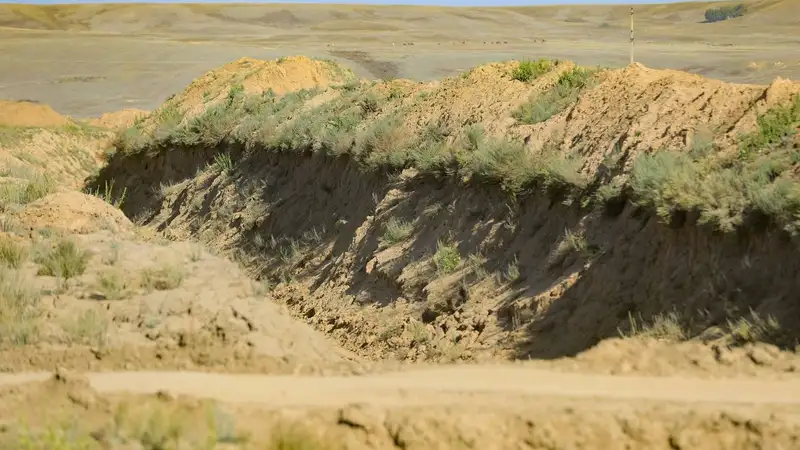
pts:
[396, 218]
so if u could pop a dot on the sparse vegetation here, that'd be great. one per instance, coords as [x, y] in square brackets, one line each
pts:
[108, 195]
[11, 136]
[162, 278]
[724, 192]
[162, 426]
[19, 308]
[664, 326]
[511, 272]
[12, 254]
[113, 285]
[725, 12]
[565, 92]
[672, 327]
[776, 128]
[531, 70]
[571, 243]
[66, 261]
[223, 163]
[755, 329]
[446, 259]
[90, 327]
[12, 193]
[396, 231]
[418, 332]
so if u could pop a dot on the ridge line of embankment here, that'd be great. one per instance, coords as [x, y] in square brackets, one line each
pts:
[530, 237]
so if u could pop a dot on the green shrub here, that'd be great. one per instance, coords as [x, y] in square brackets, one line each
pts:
[12, 254]
[722, 195]
[446, 259]
[565, 92]
[725, 13]
[776, 127]
[531, 70]
[19, 308]
[396, 231]
[66, 260]
[383, 144]
[31, 190]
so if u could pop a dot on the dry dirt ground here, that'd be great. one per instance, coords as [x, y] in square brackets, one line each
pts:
[481, 261]
[91, 59]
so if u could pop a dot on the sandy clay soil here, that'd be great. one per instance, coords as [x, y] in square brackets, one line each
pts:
[281, 256]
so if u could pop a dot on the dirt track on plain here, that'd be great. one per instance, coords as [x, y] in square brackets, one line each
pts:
[440, 386]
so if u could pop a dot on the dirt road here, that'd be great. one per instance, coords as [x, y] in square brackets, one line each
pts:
[438, 386]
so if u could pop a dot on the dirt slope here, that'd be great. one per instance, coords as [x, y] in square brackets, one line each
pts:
[112, 298]
[502, 213]
[36, 142]
[119, 119]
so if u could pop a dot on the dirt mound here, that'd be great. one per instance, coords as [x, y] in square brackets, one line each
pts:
[255, 76]
[96, 301]
[526, 211]
[652, 357]
[74, 213]
[119, 119]
[37, 143]
[638, 109]
[29, 114]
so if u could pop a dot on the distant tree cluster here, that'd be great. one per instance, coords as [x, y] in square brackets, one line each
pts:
[724, 13]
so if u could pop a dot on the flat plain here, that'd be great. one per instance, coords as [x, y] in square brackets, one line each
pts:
[90, 59]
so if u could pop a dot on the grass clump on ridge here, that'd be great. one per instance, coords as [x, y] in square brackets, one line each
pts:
[357, 125]
[565, 92]
[531, 70]
[725, 192]
[363, 125]
[776, 128]
[12, 135]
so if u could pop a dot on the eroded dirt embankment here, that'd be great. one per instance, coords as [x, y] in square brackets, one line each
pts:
[496, 214]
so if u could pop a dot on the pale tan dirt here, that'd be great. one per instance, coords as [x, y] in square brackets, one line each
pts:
[72, 212]
[441, 409]
[641, 109]
[119, 119]
[145, 304]
[39, 141]
[29, 114]
[477, 385]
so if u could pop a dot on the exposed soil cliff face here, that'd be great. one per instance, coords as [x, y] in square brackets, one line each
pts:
[320, 222]
[422, 264]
